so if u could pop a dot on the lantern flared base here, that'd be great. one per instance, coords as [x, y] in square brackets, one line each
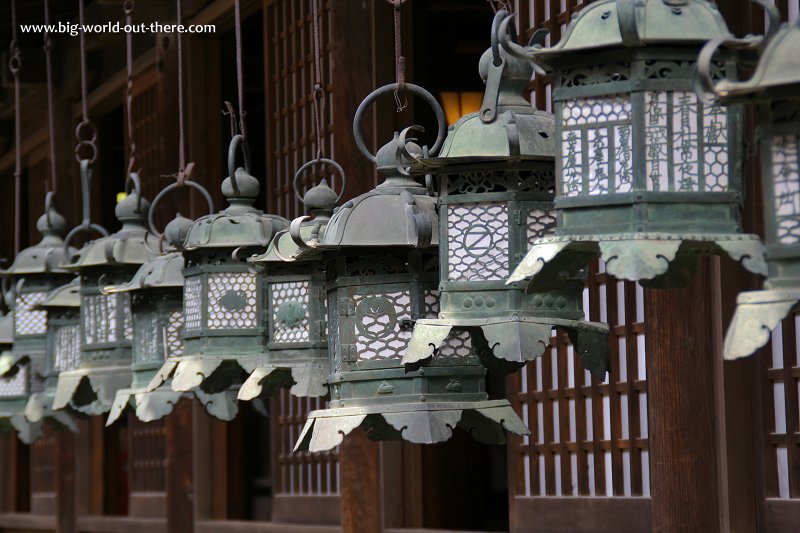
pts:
[12, 411]
[40, 407]
[304, 379]
[155, 405]
[210, 374]
[420, 423]
[505, 344]
[16, 359]
[757, 314]
[657, 260]
[91, 391]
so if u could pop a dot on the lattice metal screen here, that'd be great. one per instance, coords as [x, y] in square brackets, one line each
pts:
[289, 301]
[477, 241]
[290, 78]
[232, 301]
[28, 321]
[147, 455]
[67, 348]
[157, 336]
[785, 163]
[16, 385]
[300, 474]
[588, 438]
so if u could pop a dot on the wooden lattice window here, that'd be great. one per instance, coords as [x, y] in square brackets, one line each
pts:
[290, 74]
[43, 461]
[588, 438]
[147, 455]
[147, 133]
[781, 411]
[304, 473]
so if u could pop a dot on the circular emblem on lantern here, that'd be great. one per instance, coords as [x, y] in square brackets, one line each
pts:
[478, 240]
[290, 313]
[376, 317]
[233, 300]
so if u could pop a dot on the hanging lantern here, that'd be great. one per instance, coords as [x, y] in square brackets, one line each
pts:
[496, 181]
[648, 176]
[63, 352]
[35, 272]
[223, 304]
[16, 386]
[297, 345]
[381, 265]
[106, 322]
[775, 89]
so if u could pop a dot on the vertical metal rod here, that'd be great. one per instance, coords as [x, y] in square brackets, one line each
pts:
[127, 7]
[14, 65]
[181, 140]
[237, 13]
[50, 121]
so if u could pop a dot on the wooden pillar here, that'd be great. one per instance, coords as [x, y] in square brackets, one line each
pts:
[360, 484]
[66, 509]
[680, 373]
[180, 500]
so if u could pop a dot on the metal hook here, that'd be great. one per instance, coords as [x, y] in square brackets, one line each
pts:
[48, 207]
[133, 177]
[237, 141]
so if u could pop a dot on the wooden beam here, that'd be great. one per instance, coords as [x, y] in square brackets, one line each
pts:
[360, 484]
[66, 506]
[179, 479]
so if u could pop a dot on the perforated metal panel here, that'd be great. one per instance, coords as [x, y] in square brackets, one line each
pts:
[99, 318]
[174, 340]
[541, 223]
[477, 241]
[290, 311]
[232, 300]
[192, 290]
[458, 345]
[786, 172]
[378, 325]
[28, 321]
[67, 348]
[15, 386]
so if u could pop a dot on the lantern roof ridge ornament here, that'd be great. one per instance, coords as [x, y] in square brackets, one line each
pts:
[630, 24]
[48, 254]
[68, 295]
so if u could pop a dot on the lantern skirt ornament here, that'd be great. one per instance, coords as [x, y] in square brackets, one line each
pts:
[106, 319]
[224, 308]
[648, 176]
[775, 89]
[35, 272]
[496, 180]
[15, 388]
[296, 354]
[62, 306]
[380, 251]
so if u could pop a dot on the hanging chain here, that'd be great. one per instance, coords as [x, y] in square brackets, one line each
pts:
[127, 8]
[318, 96]
[48, 44]
[184, 170]
[85, 133]
[399, 59]
[237, 14]
[14, 65]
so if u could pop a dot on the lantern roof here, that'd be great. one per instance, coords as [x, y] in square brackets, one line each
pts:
[779, 66]
[48, 254]
[240, 224]
[633, 24]
[132, 245]
[68, 295]
[162, 271]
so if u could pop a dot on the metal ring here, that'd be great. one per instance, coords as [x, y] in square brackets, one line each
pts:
[168, 188]
[380, 91]
[127, 7]
[78, 229]
[137, 188]
[79, 129]
[323, 160]
[236, 141]
[92, 146]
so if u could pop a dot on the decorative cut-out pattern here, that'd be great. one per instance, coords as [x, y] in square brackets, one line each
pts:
[149, 345]
[477, 239]
[174, 340]
[28, 321]
[458, 344]
[67, 348]
[541, 223]
[232, 301]
[191, 302]
[16, 385]
[786, 169]
[99, 314]
[127, 315]
[290, 311]
[379, 325]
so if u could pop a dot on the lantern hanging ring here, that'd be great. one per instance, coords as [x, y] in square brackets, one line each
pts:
[167, 189]
[237, 141]
[87, 137]
[133, 178]
[86, 224]
[324, 161]
[380, 91]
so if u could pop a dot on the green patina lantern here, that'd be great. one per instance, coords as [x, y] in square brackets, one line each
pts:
[35, 272]
[297, 347]
[156, 293]
[775, 89]
[62, 306]
[496, 180]
[648, 176]
[16, 386]
[381, 260]
[106, 320]
[224, 306]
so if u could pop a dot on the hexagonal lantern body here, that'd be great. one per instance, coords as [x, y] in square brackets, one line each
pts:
[35, 272]
[297, 346]
[382, 275]
[156, 293]
[496, 181]
[775, 89]
[16, 386]
[106, 320]
[62, 306]
[648, 176]
[223, 304]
